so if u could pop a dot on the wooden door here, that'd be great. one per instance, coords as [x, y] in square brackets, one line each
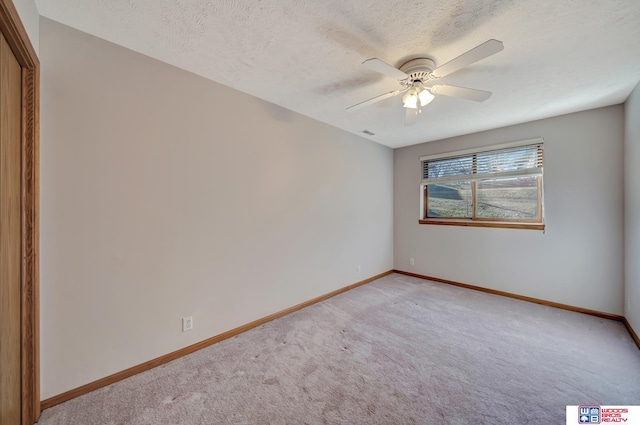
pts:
[10, 236]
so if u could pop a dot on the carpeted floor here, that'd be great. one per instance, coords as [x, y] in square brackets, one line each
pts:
[399, 350]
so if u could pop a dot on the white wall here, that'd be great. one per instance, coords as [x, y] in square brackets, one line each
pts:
[577, 261]
[30, 19]
[632, 208]
[166, 195]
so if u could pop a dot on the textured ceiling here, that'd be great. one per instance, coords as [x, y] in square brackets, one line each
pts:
[559, 56]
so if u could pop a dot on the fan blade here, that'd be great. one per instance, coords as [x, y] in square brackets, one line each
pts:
[480, 52]
[463, 92]
[384, 68]
[410, 116]
[373, 100]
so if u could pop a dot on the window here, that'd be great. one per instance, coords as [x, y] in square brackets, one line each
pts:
[499, 186]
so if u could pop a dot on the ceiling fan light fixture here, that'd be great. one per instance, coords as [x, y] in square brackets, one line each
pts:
[414, 75]
[410, 100]
[425, 97]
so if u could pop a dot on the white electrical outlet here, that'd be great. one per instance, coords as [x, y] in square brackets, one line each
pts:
[359, 269]
[412, 262]
[187, 323]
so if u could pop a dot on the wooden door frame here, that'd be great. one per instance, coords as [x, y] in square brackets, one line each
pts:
[17, 38]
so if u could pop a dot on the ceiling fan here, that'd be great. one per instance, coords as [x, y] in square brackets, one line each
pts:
[416, 78]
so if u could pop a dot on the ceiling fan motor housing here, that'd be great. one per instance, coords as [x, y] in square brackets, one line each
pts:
[418, 69]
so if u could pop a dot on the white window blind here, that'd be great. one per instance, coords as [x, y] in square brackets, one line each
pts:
[515, 159]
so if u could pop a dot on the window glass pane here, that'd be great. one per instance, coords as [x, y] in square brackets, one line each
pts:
[447, 168]
[508, 198]
[508, 160]
[449, 200]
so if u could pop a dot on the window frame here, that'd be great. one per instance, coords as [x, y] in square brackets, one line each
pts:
[475, 221]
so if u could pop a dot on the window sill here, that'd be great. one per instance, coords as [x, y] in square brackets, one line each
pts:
[474, 223]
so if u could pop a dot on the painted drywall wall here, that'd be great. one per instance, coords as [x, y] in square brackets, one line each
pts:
[166, 195]
[632, 208]
[28, 12]
[578, 260]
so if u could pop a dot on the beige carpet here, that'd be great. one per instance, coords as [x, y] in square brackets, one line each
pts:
[399, 350]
